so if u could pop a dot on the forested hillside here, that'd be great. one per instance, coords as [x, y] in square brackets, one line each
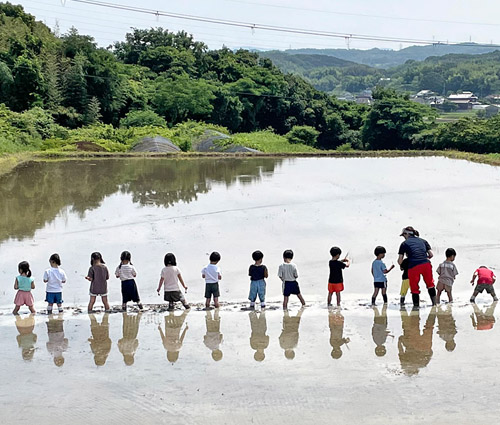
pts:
[385, 58]
[64, 93]
[159, 77]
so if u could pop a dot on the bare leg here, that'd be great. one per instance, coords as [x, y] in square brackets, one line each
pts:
[438, 295]
[207, 302]
[374, 296]
[301, 299]
[329, 299]
[216, 302]
[105, 302]
[474, 295]
[16, 309]
[450, 297]
[32, 309]
[91, 303]
[285, 303]
[338, 299]
[49, 308]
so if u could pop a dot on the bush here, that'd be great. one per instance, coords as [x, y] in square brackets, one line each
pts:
[303, 134]
[142, 119]
[346, 147]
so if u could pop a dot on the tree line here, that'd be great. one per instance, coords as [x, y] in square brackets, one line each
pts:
[57, 87]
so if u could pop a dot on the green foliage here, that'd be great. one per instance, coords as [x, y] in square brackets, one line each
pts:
[269, 142]
[142, 118]
[393, 121]
[346, 147]
[470, 135]
[303, 134]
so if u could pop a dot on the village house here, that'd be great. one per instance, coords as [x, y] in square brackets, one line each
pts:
[464, 100]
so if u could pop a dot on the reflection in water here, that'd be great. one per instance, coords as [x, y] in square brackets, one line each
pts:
[289, 337]
[172, 338]
[379, 330]
[337, 340]
[415, 348]
[26, 338]
[213, 337]
[129, 343]
[100, 342]
[447, 328]
[483, 320]
[259, 341]
[57, 343]
[72, 184]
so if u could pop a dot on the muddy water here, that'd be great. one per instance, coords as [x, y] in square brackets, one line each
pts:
[228, 366]
[356, 364]
[234, 206]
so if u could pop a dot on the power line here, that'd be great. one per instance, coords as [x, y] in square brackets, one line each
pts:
[363, 15]
[254, 26]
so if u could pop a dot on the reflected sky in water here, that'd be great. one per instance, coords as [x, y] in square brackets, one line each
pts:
[192, 207]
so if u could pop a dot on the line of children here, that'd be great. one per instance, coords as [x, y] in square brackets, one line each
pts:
[98, 275]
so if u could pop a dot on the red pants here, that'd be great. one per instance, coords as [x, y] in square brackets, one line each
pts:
[424, 270]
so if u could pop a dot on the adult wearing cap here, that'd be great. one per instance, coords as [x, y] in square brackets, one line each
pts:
[418, 252]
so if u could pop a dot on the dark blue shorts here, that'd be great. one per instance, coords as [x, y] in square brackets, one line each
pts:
[291, 287]
[53, 297]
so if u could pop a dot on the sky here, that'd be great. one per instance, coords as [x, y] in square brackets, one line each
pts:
[439, 20]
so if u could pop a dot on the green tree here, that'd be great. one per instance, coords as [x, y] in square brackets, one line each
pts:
[303, 134]
[92, 112]
[142, 118]
[393, 121]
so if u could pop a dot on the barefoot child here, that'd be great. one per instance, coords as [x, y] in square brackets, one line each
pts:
[257, 272]
[54, 278]
[336, 280]
[211, 274]
[485, 280]
[98, 276]
[288, 274]
[126, 273]
[447, 272]
[24, 283]
[170, 278]
[379, 271]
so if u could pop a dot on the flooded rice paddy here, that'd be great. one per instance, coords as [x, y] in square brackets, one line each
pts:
[328, 366]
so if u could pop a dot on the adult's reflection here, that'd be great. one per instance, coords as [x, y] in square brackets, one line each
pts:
[100, 342]
[57, 343]
[379, 330]
[129, 343]
[289, 337]
[483, 320]
[213, 338]
[259, 341]
[447, 328]
[415, 348]
[337, 340]
[26, 339]
[172, 338]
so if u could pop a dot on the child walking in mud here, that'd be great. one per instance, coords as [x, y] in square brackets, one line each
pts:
[212, 274]
[485, 280]
[126, 273]
[257, 272]
[405, 282]
[336, 279]
[54, 277]
[98, 276]
[288, 274]
[170, 278]
[447, 272]
[24, 283]
[379, 271]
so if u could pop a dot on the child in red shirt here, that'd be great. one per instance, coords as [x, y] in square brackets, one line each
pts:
[485, 280]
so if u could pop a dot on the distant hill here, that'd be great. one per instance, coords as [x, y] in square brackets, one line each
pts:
[478, 73]
[381, 58]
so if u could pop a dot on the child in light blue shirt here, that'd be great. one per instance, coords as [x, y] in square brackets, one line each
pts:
[379, 271]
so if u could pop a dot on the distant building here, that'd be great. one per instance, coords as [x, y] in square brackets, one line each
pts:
[463, 100]
[429, 98]
[365, 97]
[346, 96]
